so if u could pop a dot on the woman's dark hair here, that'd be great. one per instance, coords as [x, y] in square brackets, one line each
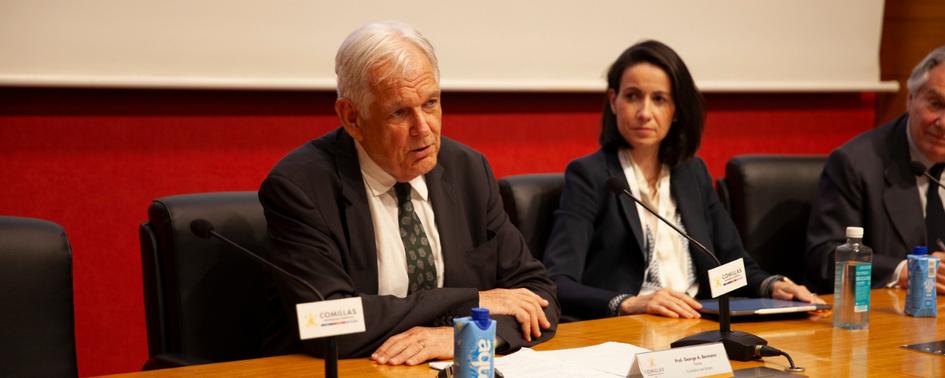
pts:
[684, 135]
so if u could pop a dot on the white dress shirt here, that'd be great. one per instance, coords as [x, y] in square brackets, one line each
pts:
[669, 264]
[392, 276]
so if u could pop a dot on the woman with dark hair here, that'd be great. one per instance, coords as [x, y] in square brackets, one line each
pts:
[610, 257]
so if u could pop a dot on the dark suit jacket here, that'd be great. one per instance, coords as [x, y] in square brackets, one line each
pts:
[596, 249]
[321, 230]
[866, 182]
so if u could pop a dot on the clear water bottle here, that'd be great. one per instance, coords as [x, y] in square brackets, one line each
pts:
[851, 288]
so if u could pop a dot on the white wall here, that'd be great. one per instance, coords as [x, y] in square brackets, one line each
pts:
[739, 45]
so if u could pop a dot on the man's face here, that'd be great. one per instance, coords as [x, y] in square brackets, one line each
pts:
[400, 127]
[927, 116]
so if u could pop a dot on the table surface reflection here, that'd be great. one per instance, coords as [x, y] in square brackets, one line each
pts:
[813, 343]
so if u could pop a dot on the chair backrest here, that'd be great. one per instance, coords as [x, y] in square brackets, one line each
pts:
[37, 327]
[205, 300]
[531, 200]
[769, 197]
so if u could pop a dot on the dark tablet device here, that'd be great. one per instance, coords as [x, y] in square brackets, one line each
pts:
[934, 347]
[760, 306]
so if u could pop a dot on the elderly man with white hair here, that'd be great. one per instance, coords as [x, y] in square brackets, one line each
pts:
[870, 182]
[386, 209]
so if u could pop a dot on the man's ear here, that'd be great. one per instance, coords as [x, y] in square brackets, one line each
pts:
[346, 111]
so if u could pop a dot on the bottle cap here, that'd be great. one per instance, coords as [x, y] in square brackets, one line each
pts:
[480, 316]
[855, 232]
[920, 250]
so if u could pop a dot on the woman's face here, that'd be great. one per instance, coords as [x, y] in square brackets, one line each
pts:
[644, 106]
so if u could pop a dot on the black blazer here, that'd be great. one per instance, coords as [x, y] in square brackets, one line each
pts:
[596, 247]
[867, 182]
[321, 230]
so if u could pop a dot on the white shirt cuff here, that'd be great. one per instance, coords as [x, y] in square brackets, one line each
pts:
[898, 272]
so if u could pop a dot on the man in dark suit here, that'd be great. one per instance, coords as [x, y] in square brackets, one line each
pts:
[868, 182]
[388, 210]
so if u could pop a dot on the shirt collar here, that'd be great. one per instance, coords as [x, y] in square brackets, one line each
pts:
[379, 181]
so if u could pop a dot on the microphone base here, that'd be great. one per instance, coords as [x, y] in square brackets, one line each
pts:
[739, 346]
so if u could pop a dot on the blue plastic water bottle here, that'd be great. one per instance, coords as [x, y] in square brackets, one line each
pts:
[474, 345]
[921, 297]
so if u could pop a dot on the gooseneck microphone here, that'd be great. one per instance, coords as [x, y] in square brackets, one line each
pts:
[203, 229]
[740, 346]
[619, 186]
[919, 169]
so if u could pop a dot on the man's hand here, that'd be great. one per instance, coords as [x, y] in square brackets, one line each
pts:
[523, 304]
[415, 346]
[663, 302]
[939, 276]
[790, 291]
[904, 277]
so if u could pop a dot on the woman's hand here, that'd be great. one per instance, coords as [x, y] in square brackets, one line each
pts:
[664, 302]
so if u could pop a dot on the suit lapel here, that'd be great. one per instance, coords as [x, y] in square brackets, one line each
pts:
[686, 191]
[444, 205]
[900, 198]
[627, 206]
[362, 248]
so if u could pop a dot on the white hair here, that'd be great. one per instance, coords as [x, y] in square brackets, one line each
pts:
[370, 45]
[920, 74]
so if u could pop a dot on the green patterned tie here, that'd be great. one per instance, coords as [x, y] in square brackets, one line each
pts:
[420, 266]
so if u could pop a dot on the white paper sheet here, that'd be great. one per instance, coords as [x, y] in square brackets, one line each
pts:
[610, 357]
[606, 360]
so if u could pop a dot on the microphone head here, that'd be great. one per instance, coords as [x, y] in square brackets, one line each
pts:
[201, 227]
[917, 168]
[616, 184]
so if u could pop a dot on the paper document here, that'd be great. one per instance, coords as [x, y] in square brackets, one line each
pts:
[610, 357]
[607, 360]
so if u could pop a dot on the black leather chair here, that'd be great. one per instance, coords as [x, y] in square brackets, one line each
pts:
[769, 197]
[37, 327]
[531, 200]
[204, 300]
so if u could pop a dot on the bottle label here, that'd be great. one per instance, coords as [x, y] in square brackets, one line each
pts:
[473, 348]
[861, 301]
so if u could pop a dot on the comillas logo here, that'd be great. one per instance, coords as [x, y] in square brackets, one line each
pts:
[651, 368]
[337, 313]
[310, 320]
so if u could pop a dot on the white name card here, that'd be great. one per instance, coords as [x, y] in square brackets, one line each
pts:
[727, 277]
[692, 361]
[330, 318]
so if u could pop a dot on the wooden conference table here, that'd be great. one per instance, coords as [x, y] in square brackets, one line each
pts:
[813, 343]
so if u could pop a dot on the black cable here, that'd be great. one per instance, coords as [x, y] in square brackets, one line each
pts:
[770, 351]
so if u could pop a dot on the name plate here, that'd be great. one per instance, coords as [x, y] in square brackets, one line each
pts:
[692, 361]
[330, 318]
[727, 277]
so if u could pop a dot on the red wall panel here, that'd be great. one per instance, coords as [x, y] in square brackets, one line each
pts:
[92, 160]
